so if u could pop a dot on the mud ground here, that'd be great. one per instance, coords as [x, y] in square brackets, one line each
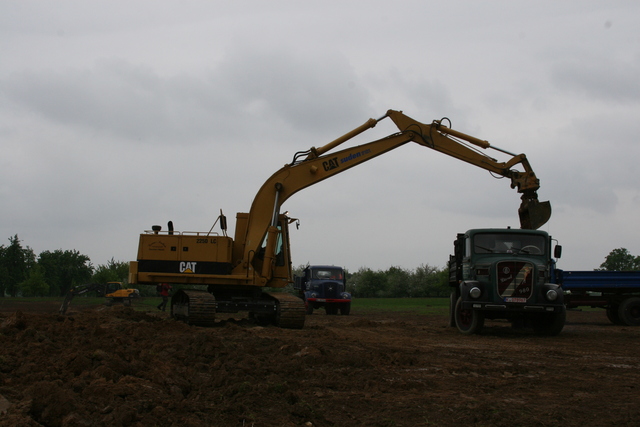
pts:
[115, 366]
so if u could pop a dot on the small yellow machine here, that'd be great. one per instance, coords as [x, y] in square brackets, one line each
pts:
[114, 292]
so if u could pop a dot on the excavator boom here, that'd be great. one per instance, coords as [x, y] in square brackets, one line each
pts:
[318, 164]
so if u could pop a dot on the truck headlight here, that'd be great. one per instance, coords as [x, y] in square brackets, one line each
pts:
[345, 295]
[552, 295]
[475, 292]
[313, 295]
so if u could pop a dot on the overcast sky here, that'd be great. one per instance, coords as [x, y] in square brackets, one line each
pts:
[117, 115]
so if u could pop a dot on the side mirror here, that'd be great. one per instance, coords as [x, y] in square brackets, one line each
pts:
[557, 251]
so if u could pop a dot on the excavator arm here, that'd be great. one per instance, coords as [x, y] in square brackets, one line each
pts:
[533, 214]
[79, 290]
[318, 164]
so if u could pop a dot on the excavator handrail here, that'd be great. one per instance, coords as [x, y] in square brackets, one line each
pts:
[184, 233]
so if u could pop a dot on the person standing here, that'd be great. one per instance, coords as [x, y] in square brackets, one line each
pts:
[164, 293]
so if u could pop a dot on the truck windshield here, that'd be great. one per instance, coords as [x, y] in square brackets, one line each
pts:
[509, 244]
[327, 273]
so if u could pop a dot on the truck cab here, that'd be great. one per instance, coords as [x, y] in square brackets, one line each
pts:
[324, 286]
[504, 274]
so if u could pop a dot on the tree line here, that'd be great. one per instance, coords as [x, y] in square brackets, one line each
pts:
[423, 282]
[53, 273]
[429, 282]
[396, 282]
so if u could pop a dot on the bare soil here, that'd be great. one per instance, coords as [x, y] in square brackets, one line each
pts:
[116, 366]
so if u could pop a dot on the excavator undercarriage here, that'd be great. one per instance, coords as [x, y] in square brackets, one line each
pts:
[199, 308]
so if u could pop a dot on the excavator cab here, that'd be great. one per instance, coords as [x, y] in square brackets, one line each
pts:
[112, 288]
[274, 258]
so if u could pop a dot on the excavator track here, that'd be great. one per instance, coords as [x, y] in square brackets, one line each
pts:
[290, 312]
[194, 307]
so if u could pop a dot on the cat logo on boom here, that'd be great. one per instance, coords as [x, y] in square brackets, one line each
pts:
[188, 267]
[330, 164]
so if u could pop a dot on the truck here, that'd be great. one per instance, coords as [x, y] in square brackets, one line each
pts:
[618, 292]
[113, 292]
[246, 273]
[513, 275]
[505, 274]
[324, 286]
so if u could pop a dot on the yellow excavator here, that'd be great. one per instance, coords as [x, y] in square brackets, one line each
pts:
[236, 271]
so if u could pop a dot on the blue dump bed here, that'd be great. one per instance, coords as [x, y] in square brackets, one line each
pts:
[599, 281]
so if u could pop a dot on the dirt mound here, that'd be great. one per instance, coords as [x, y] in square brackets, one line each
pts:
[119, 367]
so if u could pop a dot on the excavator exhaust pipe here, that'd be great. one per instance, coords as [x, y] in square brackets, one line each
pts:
[533, 214]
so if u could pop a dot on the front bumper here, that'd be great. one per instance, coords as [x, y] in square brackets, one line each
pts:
[512, 307]
[327, 300]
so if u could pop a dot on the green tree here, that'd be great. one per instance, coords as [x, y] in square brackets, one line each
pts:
[440, 286]
[35, 284]
[428, 282]
[398, 282]
[112, 271]
[299, 270]
[3, 271]
[620, 260]
[15, 262]
[64, 269]
[366, 283]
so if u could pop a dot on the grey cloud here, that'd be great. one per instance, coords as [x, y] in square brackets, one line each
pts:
[610, 80]
[134, 102]
[306, 92]
[118, 98]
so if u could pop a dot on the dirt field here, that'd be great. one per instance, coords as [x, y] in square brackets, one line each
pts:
[119, 367]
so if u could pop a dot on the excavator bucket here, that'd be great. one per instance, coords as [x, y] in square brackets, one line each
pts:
[534, 214]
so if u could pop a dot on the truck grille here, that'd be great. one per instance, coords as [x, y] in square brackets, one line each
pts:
[515, 280]
[330, 289]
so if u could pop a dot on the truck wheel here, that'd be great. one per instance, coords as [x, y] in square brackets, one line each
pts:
[468, 321]
[629, 311]
[309, 308]
[550, 324]
[345, 308]
[612, 314]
